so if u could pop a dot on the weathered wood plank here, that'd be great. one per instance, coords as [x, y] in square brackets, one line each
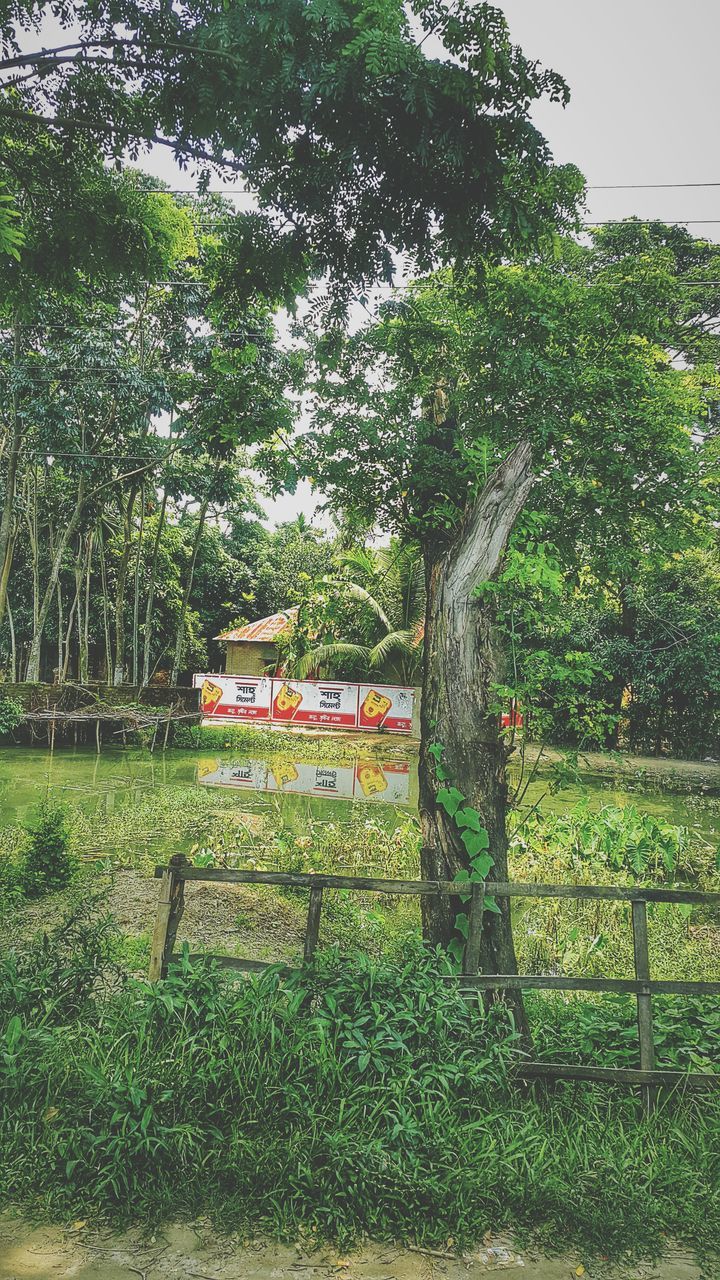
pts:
[171, 904]
[471, 961]
[312, 931]
[551, 982]
[162, 917]
[644, 998]
[616, 1075]
[590, 892]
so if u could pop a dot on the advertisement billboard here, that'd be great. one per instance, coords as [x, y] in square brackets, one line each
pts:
[234, 697]
[315, 702]
[385, 706]
[331, 703]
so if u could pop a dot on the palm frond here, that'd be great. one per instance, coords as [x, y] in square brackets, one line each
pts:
[396, 644]
[354, 591]
[328, 654]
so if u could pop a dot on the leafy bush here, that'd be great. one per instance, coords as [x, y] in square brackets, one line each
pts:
[11, 715]
[48, 864]
[615, 838]
[686, 1030]
[56, 977]
[357, 1097]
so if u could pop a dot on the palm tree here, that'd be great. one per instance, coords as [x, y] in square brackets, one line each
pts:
[387, 587]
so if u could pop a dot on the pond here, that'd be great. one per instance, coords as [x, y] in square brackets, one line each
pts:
[161, 801]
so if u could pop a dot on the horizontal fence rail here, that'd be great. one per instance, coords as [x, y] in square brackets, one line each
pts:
[179, 871]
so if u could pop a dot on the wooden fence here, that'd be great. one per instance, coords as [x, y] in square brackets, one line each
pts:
[179, 871]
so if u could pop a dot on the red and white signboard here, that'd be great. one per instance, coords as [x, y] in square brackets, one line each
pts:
[234, 697]
[315, 702]
[385, 706]
[305, 702]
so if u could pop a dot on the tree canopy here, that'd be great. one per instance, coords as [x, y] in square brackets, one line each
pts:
[331, 111]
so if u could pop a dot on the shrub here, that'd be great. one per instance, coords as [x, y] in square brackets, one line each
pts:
[48, 865]
[358, 1097]
[11, 714]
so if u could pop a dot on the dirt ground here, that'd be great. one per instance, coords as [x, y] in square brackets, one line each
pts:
[232, 919]
[194, 1252]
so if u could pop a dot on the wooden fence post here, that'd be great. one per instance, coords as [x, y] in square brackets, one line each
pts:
[471, 962]
[313, 922]
[644, 1000]
[171, 904]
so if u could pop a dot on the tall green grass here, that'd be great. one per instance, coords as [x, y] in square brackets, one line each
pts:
[359, 1096]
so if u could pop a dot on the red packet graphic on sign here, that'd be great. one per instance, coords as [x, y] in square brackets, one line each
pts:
[374, 709]
[210, 695]
[286, 702]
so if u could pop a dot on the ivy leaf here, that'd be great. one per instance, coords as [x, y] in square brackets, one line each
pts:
[450, 799]
[481, 865]
[475, 841]
[468, 818]
[462, 923]
[489, 904]
[436, 749]
[442, 773]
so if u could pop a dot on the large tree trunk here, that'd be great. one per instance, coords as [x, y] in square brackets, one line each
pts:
[460, 668]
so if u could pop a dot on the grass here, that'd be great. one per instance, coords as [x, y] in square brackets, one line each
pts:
[252, 739]
[361, 1097]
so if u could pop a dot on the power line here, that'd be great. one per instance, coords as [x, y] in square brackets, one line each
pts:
[650, 222]
[647, 186]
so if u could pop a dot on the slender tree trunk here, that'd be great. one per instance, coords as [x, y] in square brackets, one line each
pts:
[150, 605]
[8, 511]
[71, 615]
[60, 630]
[13, 647]
[460, 668]
[136, 594]
[84, 631]
[106, 620]
[33, 666]
[35, 551]
[180, 635]
[119, 674]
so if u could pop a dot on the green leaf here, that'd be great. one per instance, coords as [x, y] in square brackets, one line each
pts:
[481, 865]
[468, 818]
[475, 841]
[462, 923]
[436, 749]
[489, 904]
[450, 799]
